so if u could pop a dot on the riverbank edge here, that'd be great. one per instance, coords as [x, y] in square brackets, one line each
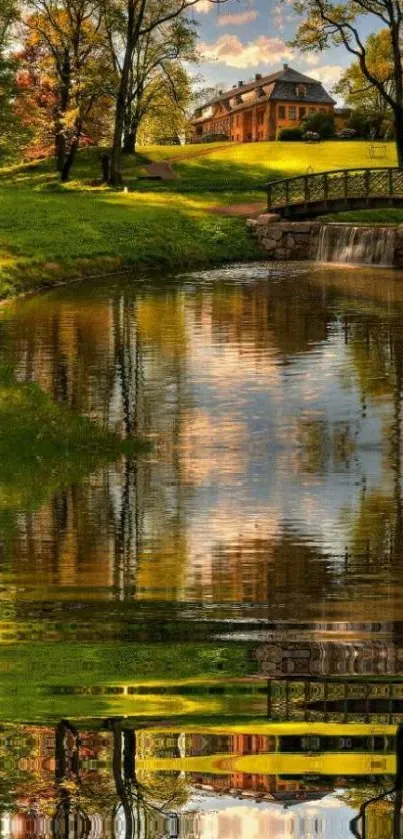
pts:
[50, 278]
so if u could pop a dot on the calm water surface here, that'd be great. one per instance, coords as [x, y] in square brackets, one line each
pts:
[207, 640]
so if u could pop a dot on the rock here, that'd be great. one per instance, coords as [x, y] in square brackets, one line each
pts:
[297, 227]
[290, 241]
[267, 218]
[251, 222]
[269, 244]
[276, 233]
[283, 253]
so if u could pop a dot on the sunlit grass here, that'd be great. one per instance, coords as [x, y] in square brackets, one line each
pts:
[50, 232]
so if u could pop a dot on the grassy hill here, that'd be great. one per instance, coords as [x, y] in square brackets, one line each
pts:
[50, 232]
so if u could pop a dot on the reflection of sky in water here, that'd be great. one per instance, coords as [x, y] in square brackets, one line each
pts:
[253, 410]
[244, 380]
[325, 819]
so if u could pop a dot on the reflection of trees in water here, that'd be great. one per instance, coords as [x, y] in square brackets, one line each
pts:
[364, 825]
[133, 802]
[129, 354]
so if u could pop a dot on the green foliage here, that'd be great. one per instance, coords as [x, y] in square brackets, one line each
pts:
[286, 134]
[321, 123]
[44, 445]
[372, 116]
[154, 224]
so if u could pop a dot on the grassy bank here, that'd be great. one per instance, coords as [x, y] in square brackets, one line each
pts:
[50, 233]
[44, 445]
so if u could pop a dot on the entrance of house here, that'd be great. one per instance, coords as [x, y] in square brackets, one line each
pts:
[247, 127]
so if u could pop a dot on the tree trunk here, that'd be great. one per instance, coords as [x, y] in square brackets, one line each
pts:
[115, 178]
[60, 138]
[60, 148]
[70, 157]
[398, 123]
[130, 140]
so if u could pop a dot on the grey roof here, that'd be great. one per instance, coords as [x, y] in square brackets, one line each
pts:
[287, 74]
[282, 87]
[315, 93]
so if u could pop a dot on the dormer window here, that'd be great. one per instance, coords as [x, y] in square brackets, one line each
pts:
[301, 91]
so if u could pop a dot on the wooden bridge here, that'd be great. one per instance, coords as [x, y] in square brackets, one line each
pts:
[310, 195]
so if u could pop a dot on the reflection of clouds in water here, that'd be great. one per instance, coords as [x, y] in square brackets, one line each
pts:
[325, 819]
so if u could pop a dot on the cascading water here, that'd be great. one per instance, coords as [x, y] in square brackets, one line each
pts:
[356, 245]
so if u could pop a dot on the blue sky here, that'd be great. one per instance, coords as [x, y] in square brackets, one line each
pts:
[244, 37]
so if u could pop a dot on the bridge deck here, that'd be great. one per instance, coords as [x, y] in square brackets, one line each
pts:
[307, 196]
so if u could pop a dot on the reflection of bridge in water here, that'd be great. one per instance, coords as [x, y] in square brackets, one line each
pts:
[311, 195]
[282, 765]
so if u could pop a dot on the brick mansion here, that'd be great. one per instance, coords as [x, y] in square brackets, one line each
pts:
[257, 110]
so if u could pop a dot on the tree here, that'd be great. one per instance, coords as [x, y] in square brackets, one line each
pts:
[9, 127]
[165, 107]
[157, 74]
[372, 114]
[135, 19]
[67, 37]
[332, 23]
[322, 124]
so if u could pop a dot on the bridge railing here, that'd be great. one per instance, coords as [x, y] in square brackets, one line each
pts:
[335, 184]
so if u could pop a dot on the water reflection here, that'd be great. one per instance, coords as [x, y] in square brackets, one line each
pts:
[114, 778]
[247, 569]
[274, 403]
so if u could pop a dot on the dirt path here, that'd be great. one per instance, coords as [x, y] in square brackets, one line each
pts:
[192, 155]
[161, 170]
[247, 210]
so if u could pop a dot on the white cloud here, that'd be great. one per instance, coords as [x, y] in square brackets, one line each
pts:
[328, 74]
[312, 60]
[203, 7]
[229, 50]
[237, 18]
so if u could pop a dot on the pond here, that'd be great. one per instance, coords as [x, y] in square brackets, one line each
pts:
[206, 640]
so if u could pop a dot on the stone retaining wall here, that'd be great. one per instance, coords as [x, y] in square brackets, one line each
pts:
[286, 239]
[298, 240]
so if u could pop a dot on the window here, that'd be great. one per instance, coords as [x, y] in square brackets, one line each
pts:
[312, 110]
[260, 118]
[301, 91]
[292, 113]
[281, 112]
[302, 113]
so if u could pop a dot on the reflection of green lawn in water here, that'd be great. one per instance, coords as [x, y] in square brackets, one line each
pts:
[44, 445]
[48, 681]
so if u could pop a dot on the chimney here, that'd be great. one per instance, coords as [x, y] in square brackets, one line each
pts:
[240, 84]
[258, 77]
[285, 66]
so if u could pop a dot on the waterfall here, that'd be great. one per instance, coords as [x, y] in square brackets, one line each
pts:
[361, 245]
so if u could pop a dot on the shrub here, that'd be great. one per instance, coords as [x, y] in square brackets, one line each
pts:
[347, 134]
[320, 123]
[214, 138]
[290, 133]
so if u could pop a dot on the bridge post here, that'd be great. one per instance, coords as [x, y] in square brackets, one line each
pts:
[269, 196]
[346, 186]
[306, 189]
[325, 186]
[367, 181]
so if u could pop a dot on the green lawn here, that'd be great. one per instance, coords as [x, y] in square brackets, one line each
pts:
[50, 233]
[44, 445]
